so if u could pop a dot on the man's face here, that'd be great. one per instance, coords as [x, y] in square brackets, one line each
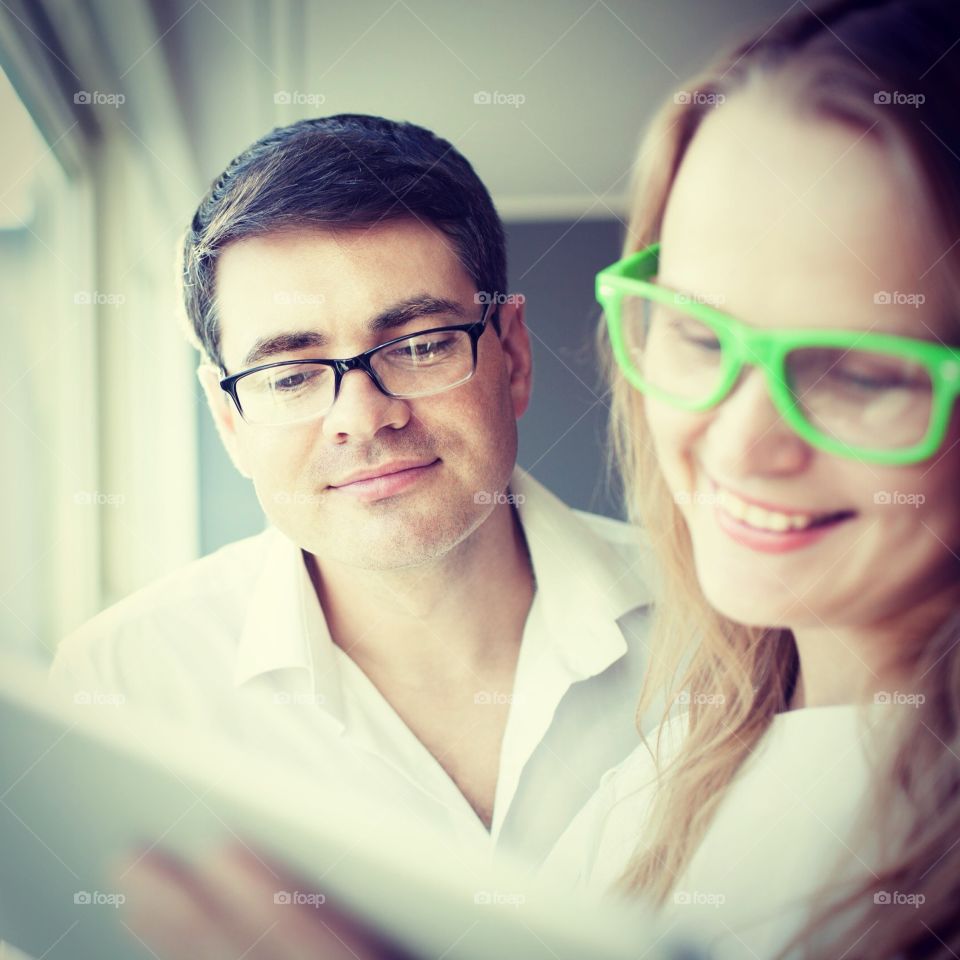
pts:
[461, 444]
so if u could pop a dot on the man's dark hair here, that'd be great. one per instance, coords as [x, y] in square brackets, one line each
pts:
[345, 170]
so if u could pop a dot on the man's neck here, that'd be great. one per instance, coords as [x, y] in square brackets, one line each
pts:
[433, 638]
[461, 614]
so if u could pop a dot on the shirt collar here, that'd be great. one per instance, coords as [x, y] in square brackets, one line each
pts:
[275, 633]
[584, 586]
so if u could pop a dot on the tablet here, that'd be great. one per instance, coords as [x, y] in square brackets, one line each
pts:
[83, 783]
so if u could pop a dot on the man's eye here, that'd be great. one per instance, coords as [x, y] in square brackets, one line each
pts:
[291, 382]
[421, 350]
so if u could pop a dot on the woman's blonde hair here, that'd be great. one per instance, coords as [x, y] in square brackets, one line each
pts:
[846, 63]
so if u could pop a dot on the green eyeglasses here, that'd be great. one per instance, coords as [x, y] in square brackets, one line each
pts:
[868, 396]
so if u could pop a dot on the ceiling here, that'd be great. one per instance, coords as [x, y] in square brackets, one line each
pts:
[547, 99]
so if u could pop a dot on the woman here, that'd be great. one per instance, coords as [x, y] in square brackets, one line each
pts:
[784, 327]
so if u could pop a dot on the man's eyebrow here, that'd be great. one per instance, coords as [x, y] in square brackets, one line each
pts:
[412, 309]
[266, 347]
[397, 315]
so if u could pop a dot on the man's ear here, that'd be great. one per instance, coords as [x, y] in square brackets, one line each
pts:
[515, 343]
[224, 413]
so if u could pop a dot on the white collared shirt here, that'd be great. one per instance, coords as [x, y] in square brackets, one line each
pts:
[784, 834]
[236, 643]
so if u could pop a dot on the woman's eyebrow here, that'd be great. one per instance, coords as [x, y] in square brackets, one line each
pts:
[396, 315]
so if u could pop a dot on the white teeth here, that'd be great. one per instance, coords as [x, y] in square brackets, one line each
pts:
[761, 518]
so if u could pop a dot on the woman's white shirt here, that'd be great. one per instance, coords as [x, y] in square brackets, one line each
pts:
[782, 833]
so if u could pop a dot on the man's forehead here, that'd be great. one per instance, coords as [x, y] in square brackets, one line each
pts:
[334, 284]
[307, 242]
[355, 265]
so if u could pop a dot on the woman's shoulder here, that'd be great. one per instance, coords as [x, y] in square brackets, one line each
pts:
[592, 852]
[657, 750]
[640, 769]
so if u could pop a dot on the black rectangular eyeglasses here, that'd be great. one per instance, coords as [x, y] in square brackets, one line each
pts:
[419, 364]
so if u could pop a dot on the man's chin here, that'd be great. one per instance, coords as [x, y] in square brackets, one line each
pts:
[386, 539]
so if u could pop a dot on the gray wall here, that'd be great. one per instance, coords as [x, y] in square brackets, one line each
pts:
[562, 434]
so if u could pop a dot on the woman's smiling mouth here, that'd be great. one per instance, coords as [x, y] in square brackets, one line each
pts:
[768, 528]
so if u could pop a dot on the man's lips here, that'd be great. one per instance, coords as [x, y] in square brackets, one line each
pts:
[384, 470]
[385, 481]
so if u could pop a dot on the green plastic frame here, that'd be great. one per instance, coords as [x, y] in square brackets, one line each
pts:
[742, 345]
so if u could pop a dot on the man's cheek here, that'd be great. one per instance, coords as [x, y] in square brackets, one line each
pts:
[280, 487]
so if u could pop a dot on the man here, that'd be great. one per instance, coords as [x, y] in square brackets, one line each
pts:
[421, 620]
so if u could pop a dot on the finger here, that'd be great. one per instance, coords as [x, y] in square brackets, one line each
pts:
[246, 889]
[312, 925]
[168, 912]
[261, 896]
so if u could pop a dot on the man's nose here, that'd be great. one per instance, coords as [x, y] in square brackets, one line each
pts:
[361, 410]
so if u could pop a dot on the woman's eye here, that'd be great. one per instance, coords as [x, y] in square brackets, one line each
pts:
[694, 333]
[864, 383]
[876, 380]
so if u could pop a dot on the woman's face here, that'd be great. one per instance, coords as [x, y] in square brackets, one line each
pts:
[790, 222]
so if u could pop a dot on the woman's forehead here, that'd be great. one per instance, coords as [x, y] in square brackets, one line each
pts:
[805, 216]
